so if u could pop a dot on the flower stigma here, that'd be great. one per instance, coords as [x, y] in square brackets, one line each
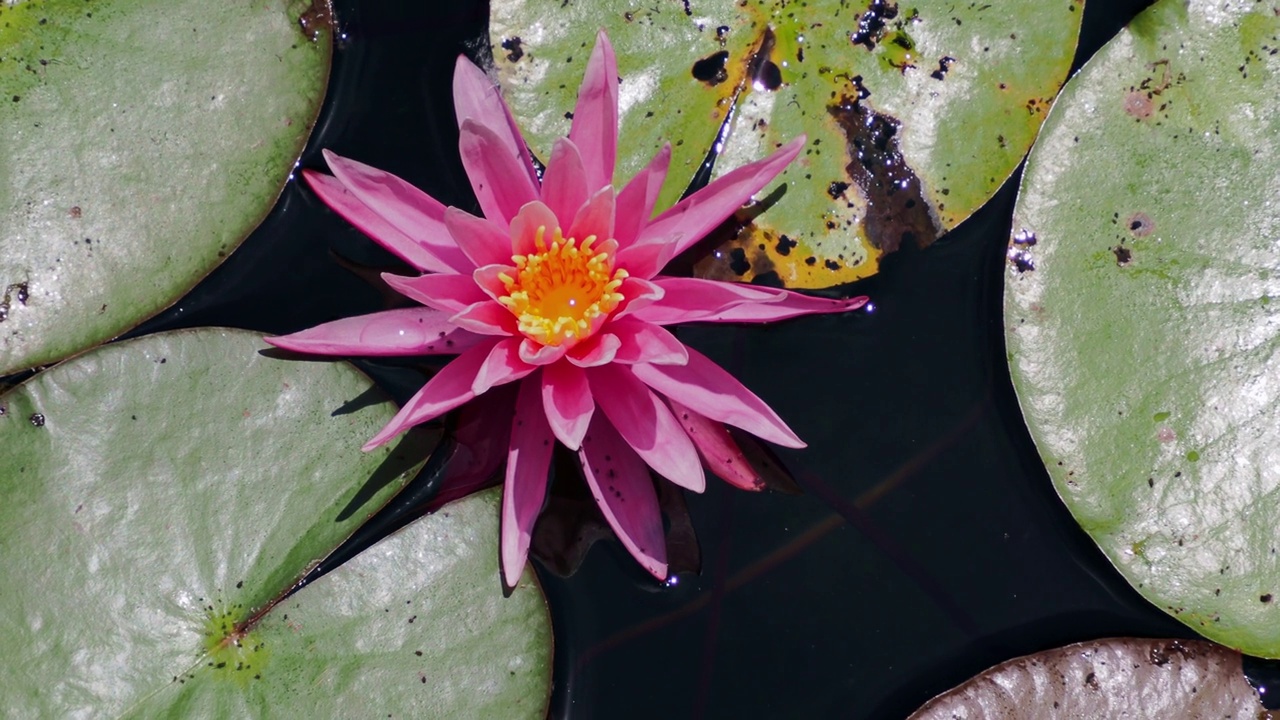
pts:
[563, 293]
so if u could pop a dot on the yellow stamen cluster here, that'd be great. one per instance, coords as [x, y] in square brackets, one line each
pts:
[562, 293]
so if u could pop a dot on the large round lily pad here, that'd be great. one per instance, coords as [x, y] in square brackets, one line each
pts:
[916, 111]
[140, 143]
[159, 495]
[1140, 319]
[1134, 678]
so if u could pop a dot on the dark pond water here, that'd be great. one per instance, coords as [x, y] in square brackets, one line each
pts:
[928, 543]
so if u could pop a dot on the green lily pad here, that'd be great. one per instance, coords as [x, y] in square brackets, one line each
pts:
[160, 497]
[140, 145]
[1117, 678]
[1139, 315]
[916, 112]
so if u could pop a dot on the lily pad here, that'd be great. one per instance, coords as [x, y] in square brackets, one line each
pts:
[162, 495]
[916, 112]
[1118, 678]
[140, 145]
[1139, 317]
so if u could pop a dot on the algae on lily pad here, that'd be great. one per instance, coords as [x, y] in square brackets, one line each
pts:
[160, 497]
[1139, 310]
[916, 112]
[140, 142]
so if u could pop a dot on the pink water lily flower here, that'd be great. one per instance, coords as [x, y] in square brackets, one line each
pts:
[557, 287]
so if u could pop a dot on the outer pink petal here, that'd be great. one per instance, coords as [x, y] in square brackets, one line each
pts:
[787, 305]
[566, 397]
[410, 331]
[564, 184]
[487, 318]
[480, 240]
[708, 389]
[644, 342]
[476, 97]
[524, 227]
[689, 220]
[637, 200]
[717, 448]
[449, 388]
[340, 200]
[646, 260]
[621, 486]
[594, 218]
[499, 182]
[525, 489]
[480, 446]
[595, 117]
[450, 293]
[695, 299]
[503, 365]
[413, 212]
[647, 425]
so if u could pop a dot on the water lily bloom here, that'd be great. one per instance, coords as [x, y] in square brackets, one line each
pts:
[557, 287]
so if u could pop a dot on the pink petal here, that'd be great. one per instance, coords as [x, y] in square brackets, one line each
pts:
[594, 218]
[486, 278]
[476, 97]
[536, 353]
[524, 227]
[708, 389]
[645, 261]
[487, 318]
[786, 305]
[637, 293]
[647, 425]
[689, 220]
[566, 397]
[480, 240]
[644, 342]
[717, 448]
[503, 365]
[564, 184]
[410, 331]
[595, 117]
[448, 389]
[599, 349]
[695, 299]
[526, 483]
[450, 293]
[411, 211]
[500, 184]
[637, 200]
[623, 490]
[334, 194]
[480, 445]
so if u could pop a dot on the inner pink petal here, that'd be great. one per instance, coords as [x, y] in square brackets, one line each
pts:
[623, 489]
[500, 185]
[637, 200]
[480, 240]
[647, 425]
[644, 342]
[599, 349]
[595, 117]
[487, 318]
[594, 218]
[528, 459]
[524, 227]
[566, 397]
[409, 331]
[564, 184]
[503, 365]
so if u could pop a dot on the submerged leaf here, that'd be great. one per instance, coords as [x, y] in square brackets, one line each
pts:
[915, 112]
[1119, 678]
[1139, 316]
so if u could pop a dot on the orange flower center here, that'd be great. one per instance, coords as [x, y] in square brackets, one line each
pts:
[564, 292]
